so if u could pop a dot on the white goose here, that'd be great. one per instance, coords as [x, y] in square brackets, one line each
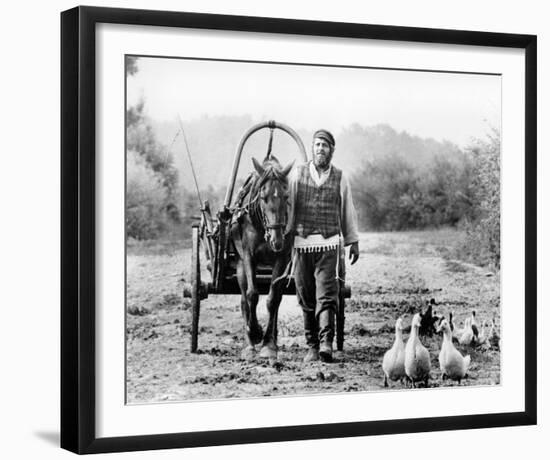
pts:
[452, 364]
[492, 337]
[417, 357]
[470, 332]
[485, 334]
[393, 363]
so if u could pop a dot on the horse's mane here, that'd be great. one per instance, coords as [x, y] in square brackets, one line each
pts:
[272, 171]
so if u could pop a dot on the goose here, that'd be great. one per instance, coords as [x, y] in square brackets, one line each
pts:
[466, 334]
[417, 357]
[455, 333]
[452, 364]
[493, 336]
[475, 327]
[393, 363]
[484, 338]
[470, 332]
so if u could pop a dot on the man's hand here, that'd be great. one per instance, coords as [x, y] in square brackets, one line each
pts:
[354, 252]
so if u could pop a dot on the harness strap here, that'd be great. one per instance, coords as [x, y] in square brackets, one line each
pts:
[237, 239]
[289, 270]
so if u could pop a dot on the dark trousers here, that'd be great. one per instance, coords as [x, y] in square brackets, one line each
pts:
[316, 283]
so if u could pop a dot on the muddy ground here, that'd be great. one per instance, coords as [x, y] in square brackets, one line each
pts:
[396, 274]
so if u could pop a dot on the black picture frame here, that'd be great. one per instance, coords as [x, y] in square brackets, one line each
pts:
[78, 218]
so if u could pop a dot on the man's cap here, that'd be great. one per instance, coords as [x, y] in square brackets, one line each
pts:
[326, 135]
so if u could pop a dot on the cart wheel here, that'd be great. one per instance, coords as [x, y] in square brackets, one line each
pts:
[340, 318]
[195, 287]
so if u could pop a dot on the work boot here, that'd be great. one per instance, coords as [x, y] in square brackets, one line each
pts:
[325, 352]
[312, 355]
[312, 340]
[326, 335]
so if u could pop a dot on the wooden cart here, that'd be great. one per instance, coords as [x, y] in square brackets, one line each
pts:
[213, 236]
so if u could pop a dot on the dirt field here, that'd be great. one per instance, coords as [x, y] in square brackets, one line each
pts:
[396, 274]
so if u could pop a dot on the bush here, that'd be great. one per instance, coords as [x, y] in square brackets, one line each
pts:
[392, 193]
[482, 243]
[145, 199]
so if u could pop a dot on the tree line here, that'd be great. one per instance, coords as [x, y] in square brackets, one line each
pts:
[449, 187]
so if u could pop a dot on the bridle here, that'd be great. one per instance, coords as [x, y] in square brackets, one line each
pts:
[271, 226]
[259, 213]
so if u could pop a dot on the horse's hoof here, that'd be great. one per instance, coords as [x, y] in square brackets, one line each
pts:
[248, 353]
[269, 353]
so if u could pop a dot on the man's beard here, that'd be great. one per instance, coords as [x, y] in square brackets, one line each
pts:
[322, 161]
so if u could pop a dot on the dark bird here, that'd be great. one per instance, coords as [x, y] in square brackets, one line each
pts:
[428, 320]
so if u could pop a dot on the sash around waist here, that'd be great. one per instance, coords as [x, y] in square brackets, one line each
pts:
[316, 243]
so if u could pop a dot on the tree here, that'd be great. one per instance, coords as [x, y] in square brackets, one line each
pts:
[393, 194]
[407, 182]
[131, 65]
[152, 179]
[482, 243]
[141, 138]
[145, 199]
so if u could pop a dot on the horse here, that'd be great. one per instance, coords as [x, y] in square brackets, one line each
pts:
[259, 237]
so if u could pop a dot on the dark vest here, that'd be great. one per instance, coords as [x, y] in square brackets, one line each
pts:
[318, 208]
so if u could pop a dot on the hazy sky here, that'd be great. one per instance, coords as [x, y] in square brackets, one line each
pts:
[455, 107]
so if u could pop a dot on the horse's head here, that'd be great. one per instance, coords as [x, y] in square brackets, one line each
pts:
[272, 189]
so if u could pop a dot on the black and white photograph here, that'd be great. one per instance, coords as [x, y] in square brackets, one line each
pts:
[306, 229]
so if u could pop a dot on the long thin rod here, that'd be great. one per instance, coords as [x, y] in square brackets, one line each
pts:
[205, 214]
[190, 160]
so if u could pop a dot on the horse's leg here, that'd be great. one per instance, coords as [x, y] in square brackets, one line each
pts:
[253, 329]
[248, 351]
[273, 301]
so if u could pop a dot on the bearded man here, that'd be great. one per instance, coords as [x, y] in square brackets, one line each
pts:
[323, 220]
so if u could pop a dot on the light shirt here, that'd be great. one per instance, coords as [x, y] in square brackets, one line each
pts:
[319, 179]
